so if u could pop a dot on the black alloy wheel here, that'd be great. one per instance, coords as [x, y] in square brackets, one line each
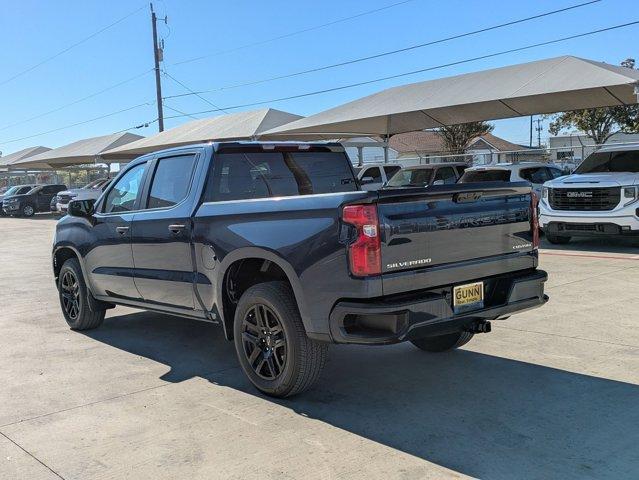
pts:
[70, 292]
[264, 342]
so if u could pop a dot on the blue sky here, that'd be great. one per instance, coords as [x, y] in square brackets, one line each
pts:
[31, 31]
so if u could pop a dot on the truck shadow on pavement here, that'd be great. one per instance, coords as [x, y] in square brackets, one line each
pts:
[477, 414]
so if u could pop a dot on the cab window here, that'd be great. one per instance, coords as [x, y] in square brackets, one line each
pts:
[445, 176]
[374, 173]
[121, 198]
[171, 181]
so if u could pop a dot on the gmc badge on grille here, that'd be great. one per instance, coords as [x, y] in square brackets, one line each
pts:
[579, 194]
[467, 197]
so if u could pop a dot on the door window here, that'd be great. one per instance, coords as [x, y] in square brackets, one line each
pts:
[445, 175]
[391, 170]
[121, 198]
[555, 172]
[171, 181]
[373, 173]
[536, 175]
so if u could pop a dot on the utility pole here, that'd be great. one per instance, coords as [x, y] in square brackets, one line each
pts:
[539, 129]
[531, 127]
[157, 57]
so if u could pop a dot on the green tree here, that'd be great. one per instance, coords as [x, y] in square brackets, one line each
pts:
[457, 137]
[599, 123]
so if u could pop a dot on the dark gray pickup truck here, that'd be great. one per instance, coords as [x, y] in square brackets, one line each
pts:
[278, 244]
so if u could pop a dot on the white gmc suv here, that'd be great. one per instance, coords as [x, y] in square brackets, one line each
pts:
[599, 198]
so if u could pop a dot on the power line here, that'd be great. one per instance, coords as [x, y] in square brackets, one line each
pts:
[392, 52]
[422, 70]
[297, 32]
[61, 52]
[75, 102]
[180, 111]
[192, 91]
[78, 123]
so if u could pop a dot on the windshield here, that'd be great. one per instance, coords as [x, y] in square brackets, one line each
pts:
[18, 190]
[472, 176]
[411, 177]
[603, 162]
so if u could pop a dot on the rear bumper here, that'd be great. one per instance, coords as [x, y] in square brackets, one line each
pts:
[428, 313]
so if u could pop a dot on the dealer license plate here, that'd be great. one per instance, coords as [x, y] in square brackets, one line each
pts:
[468, 297]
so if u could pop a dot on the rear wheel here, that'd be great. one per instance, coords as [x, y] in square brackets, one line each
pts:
[28, 210]
[74, 298]
[271, 344]
[558, 240]
[441, 343]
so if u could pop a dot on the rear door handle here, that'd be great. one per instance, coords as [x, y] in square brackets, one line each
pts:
[121, 230]
[176, 228]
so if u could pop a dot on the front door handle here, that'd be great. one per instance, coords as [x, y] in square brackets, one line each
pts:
[121, 230]
[176, 228]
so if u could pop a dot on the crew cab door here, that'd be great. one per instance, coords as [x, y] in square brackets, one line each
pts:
[44, 196]
[109, 262]
[161, 232]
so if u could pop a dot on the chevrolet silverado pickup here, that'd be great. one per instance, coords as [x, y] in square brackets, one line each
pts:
[600, 198]
[278, 244]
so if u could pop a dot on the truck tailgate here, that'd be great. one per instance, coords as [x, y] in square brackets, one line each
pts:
[449, 225]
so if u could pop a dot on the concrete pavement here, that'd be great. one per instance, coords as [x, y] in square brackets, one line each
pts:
[551, 393]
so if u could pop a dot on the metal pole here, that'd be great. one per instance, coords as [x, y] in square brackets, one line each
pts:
[158, 83]
[531, 126]
[360, 156]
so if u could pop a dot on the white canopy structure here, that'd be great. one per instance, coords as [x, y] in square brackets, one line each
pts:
[235, 126]
[9, 160]
[546, 86]
[81, 152]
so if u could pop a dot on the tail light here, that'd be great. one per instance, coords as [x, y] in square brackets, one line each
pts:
[365, 253]
[534, 218]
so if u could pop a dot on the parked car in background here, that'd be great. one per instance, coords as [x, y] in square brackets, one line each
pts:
[278, 245]
[38, 199]
[373, 176]
[425, 175]
[15, 190]
[600, 198]
[92, 190]
[537, 173]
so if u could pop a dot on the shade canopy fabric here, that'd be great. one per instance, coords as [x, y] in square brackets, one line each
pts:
[234, 126]
[9, 160]
[546, 86]
[81, 152]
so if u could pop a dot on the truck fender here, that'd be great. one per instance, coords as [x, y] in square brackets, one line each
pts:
[262, 253]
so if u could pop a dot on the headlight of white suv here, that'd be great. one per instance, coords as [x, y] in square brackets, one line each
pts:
[630, 194]
[544, 193]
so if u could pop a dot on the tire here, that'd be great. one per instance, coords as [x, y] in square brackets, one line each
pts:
[28, 210]
[283, 361]
[74, 298]
[442, 343]
[557, 240]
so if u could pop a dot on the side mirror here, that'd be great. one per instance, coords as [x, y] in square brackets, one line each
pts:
[438, 182]
[366, 180]
[81, 208]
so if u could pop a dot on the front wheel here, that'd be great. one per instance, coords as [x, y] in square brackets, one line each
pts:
[28, 211]
[442, 343]
[557, 240]
[74, 298]
[271, 344]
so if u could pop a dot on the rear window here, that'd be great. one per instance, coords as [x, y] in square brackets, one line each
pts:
[240, 176]
[411, 177]
[472, 176]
